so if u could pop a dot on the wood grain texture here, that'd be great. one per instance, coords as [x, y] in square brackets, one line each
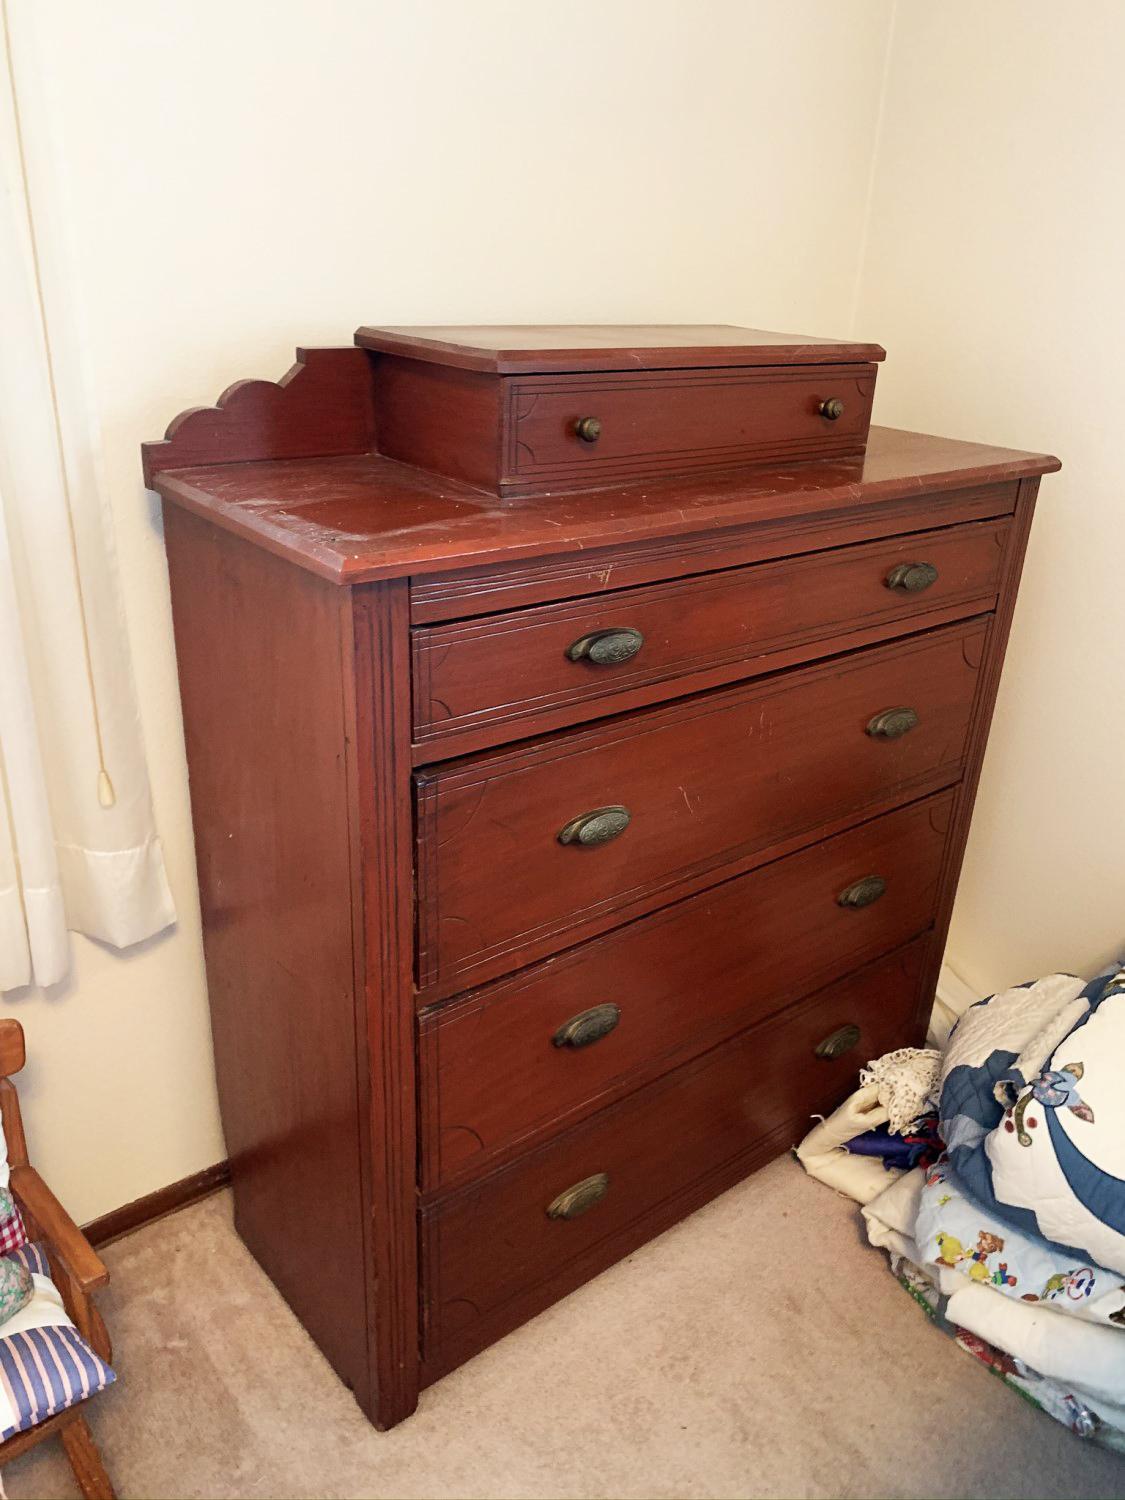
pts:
[440, 418]
[491, 1255]
[526, 348]
[492, 1080]
[993, 663]
[385, 737]
[354, 519]
[12, 1052]
[381, 813]
[503, 675]
[262, 650]
[322, 406]
[673, 422]
[598, 570]
[714, 785]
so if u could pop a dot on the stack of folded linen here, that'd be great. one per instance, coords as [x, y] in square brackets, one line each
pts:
[1015, 1238]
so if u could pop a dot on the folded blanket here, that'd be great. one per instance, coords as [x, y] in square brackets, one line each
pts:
[969, 1284]
[1032, 1112]
[953, 1232]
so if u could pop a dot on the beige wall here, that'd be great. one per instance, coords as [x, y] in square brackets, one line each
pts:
[239, 176]
[994, 276]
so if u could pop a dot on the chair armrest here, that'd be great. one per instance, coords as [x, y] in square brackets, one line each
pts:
[64, 1238]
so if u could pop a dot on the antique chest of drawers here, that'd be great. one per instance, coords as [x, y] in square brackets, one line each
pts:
[583, 728]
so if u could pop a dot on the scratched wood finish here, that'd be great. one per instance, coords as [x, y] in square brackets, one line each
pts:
[487, 1248]
[492, 1079]
[712, 785]
[496, 674]
[307, 568]
[598, 570]
[361, 516]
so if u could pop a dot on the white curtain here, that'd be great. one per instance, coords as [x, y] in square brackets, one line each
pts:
[78, 847]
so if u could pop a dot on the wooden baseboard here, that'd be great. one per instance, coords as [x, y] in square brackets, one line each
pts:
[152, 1206]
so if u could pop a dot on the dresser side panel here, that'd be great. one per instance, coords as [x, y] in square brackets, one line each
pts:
[264, 653]
[992, 666]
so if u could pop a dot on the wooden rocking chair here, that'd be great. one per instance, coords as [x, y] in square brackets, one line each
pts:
[77, 1271]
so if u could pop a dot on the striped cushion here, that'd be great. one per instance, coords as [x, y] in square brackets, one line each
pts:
[44, 1369]
[34, 1257]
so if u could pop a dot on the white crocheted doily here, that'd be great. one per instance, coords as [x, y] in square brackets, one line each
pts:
[907, 1080]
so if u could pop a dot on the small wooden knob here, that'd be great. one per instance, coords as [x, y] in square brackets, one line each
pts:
[589, 429]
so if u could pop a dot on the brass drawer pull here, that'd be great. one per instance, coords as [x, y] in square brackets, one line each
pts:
[589, 429]
[833, 408]
[862, 892]
[607, 647]
[579, 1198]
[838, 1043]
[596, 827]
[587, 1027]
[912, 578]
[892, 723]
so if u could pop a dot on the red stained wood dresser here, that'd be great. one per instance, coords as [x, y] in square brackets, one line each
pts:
[583, 728]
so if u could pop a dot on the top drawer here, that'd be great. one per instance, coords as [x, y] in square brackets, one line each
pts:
[477, 682]
[586, 429]
[517, 410]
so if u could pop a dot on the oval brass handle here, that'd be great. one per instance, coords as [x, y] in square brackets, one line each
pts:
[587, 1027]
[597, 826]
[589, 429]
[607, 647]
[892, 723]
[832, 408]
[838, 1043]
[580, 1198]
[862, 892]
[912, 578]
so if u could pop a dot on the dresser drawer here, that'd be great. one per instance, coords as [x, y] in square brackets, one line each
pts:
[495, 1252]
[576, 427]
[499, 671]
[513, 848]
[510, 1062]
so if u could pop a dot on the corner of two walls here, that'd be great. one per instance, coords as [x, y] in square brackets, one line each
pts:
[946, 180]
[991, 273]
[371, 163]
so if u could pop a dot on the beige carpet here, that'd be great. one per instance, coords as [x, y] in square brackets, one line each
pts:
[759, 1349]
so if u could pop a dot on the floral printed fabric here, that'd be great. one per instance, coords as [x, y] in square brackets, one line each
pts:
[12, 1233]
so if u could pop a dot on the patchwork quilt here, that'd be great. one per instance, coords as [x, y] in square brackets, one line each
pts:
[1032, 1113]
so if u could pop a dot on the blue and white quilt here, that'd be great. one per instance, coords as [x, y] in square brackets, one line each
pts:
[1032, 1111]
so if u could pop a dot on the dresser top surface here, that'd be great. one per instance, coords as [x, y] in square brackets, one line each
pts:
[357, 518]
[553, 348]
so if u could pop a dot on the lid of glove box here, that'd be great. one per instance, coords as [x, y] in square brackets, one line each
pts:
[525, 409]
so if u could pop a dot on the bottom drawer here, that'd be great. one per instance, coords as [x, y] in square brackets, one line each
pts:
[498, 1252]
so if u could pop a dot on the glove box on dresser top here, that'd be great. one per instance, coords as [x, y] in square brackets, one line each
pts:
[583, 728]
